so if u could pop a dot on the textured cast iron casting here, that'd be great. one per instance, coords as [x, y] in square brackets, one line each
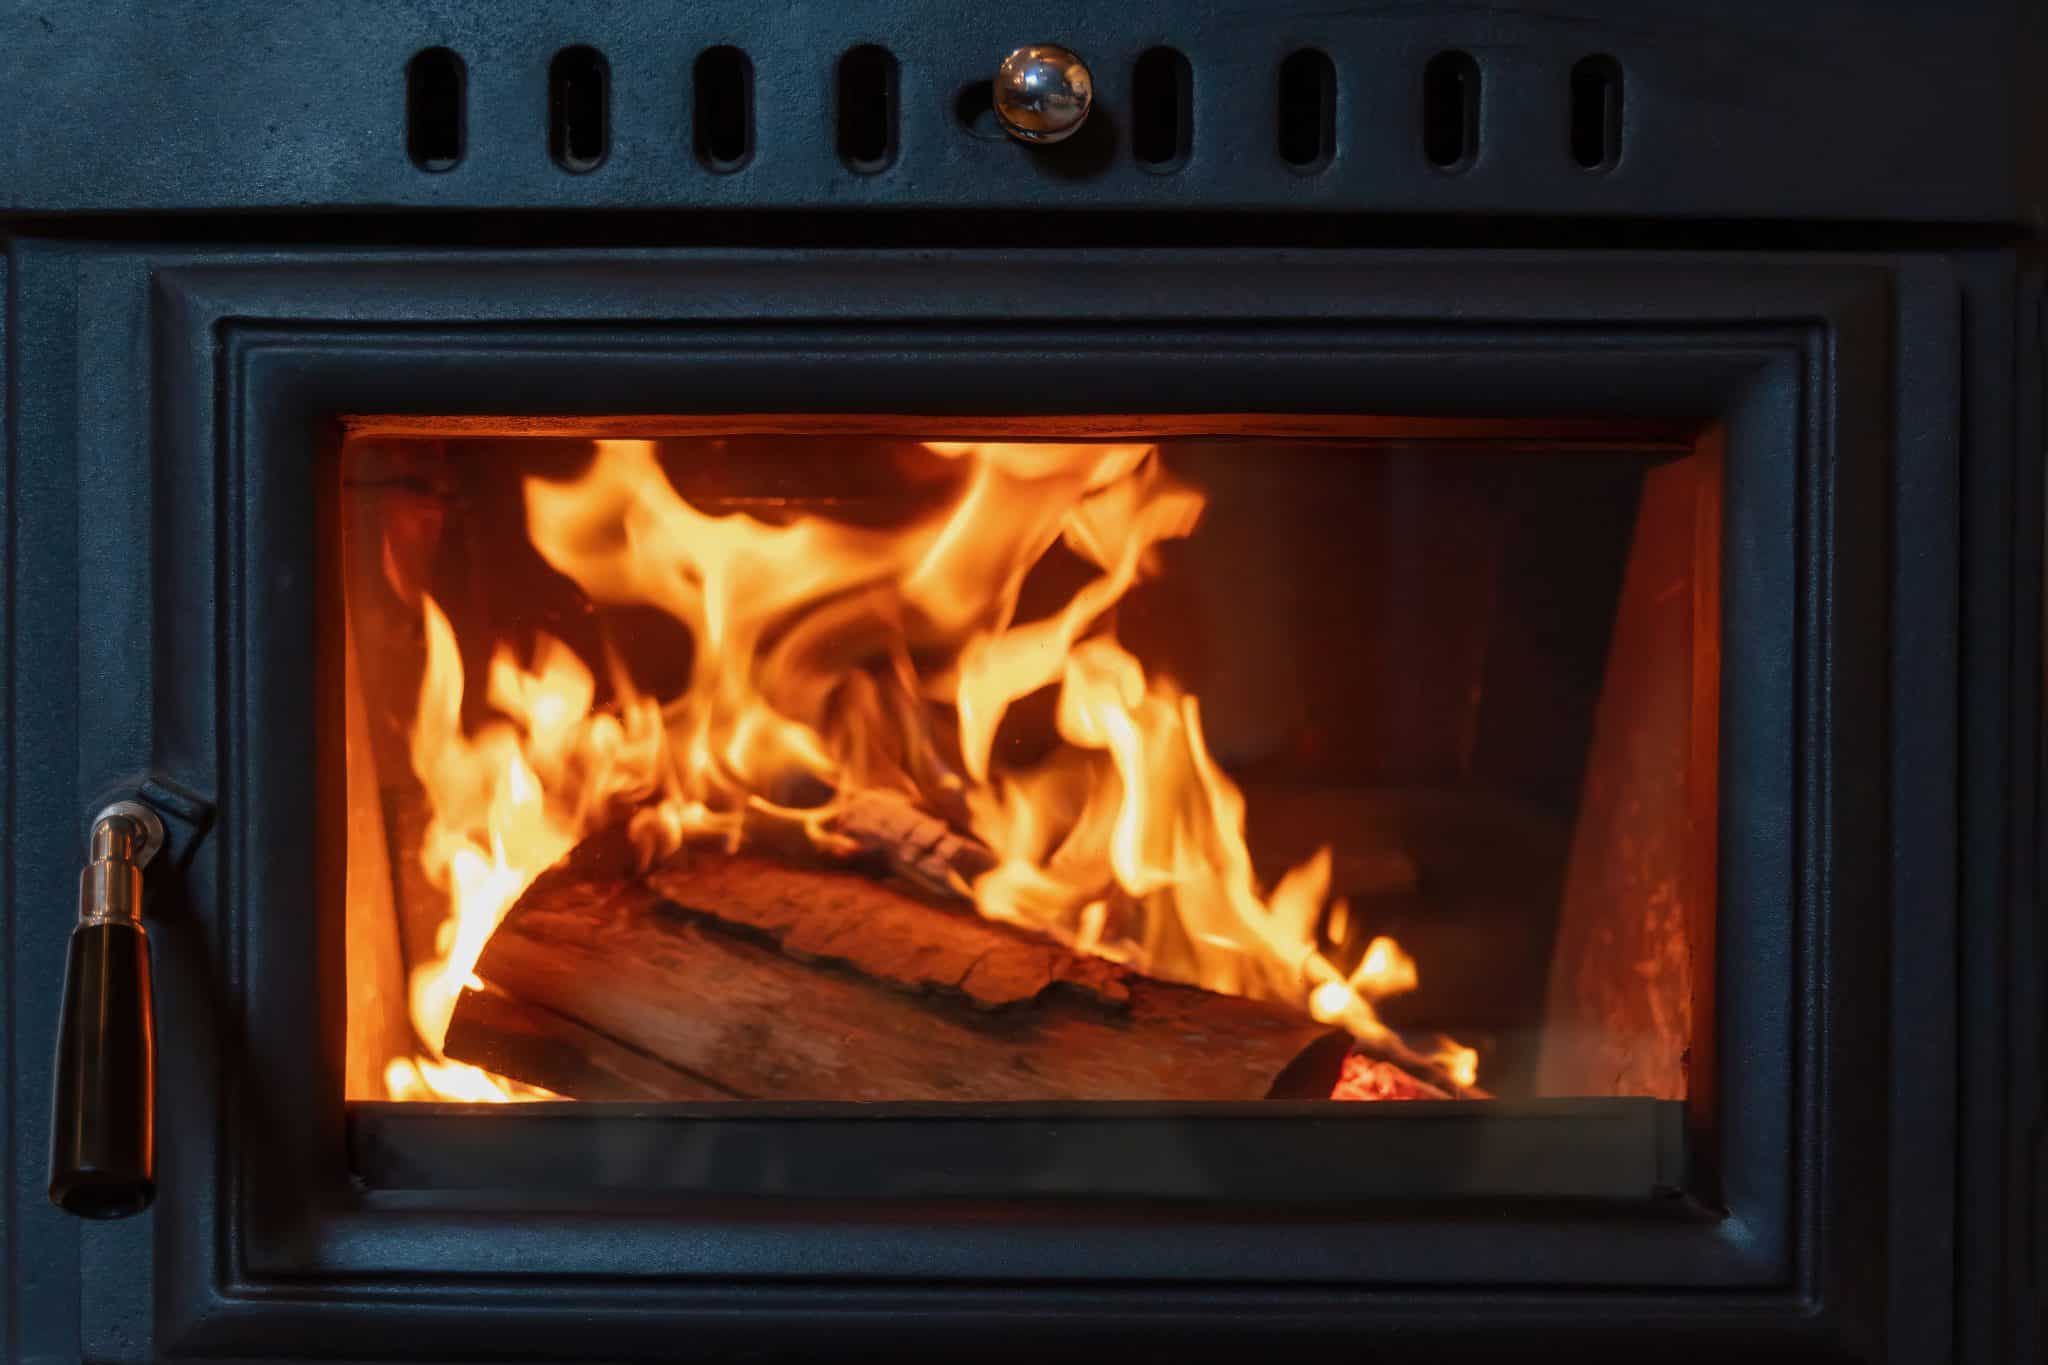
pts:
[217, 246]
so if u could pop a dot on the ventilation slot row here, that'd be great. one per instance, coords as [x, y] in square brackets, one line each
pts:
[866, 99]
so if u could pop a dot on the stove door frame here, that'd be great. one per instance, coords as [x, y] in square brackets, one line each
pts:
[1836, 383]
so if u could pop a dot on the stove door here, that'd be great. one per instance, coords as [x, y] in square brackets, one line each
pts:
[1787, 1183]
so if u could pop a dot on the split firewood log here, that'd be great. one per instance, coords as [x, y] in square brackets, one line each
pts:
[760, 978]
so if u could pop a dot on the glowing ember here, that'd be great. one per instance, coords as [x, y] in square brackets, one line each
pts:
[1364, 1078]
[832, 660]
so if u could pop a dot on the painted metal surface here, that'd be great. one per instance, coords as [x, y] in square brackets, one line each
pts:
[1903, 111]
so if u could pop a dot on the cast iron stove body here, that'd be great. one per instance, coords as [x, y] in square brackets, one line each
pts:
[1788, 248]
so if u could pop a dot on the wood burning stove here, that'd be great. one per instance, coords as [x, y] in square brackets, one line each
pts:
[1178, 767]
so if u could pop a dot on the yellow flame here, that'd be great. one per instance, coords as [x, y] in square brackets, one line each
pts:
[1459, 1062]
[825, 658]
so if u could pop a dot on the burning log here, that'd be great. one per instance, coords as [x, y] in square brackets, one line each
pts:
[751, 977]
[526, 1042]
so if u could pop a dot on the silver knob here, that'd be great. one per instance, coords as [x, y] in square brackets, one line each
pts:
[1042, 93]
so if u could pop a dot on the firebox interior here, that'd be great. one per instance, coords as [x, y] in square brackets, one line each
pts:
[1474, 663]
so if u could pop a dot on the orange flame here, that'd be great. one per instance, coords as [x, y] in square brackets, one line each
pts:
[825, 657]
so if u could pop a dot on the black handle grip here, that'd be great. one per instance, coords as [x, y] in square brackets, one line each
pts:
[102, 1134]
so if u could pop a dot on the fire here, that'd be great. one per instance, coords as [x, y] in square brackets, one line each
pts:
[832, 660]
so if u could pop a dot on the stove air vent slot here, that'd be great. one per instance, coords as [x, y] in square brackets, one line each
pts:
[1308, 110]
[1450, 111]
[434, 81]
[1162, 109]
[1596, 113]
[722, 109]
[579, 109]
[867, 109]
